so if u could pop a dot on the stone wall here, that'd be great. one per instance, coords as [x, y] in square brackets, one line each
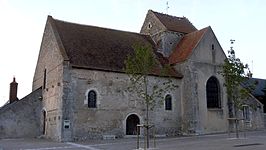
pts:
[114, 105]
[50, 65]
[20, 119]
[151, 25]
[255, 114]
[165, 40]
[202, 64]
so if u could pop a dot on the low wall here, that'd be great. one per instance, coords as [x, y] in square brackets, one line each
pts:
[21, 118]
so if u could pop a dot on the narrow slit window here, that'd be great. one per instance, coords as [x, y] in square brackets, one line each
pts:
[44, 79]
[168, 102]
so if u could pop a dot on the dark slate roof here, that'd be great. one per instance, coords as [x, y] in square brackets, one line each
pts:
[186, 45]
[178, 24]
[99, 48]
[260, 85]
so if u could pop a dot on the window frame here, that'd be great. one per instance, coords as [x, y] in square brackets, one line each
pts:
[213, 93]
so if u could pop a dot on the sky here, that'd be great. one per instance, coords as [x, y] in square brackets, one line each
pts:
[22, 25]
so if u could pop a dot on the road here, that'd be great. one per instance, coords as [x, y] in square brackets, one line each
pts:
[255, 140]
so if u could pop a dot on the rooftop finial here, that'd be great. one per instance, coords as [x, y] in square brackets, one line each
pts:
[232, 42]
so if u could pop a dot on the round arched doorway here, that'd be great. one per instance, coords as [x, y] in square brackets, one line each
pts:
[131, 124]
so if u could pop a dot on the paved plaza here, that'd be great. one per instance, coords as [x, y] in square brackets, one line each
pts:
[255, 140]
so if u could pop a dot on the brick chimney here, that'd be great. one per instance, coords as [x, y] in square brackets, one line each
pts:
[13, 91]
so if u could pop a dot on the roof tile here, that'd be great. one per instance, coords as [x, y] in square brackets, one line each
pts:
[100, 48]
[178, 24]
[184, 48]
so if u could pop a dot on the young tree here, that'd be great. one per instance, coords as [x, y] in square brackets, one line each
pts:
[235, 74]
[139, 66]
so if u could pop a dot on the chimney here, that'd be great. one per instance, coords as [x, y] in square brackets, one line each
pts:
[13, 91]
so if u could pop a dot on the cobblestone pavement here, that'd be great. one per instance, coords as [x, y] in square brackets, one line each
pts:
[253, 141]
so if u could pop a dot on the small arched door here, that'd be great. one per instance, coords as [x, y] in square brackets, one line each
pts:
[131, 124]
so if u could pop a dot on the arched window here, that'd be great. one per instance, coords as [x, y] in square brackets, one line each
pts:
[92, 99]
[213, 93]
[168, 102]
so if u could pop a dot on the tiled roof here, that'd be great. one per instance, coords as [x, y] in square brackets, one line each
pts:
[99, 48]
[186, 45]
[178, 24]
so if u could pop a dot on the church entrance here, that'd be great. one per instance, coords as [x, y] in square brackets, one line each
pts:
[44, 123]
[131, 124]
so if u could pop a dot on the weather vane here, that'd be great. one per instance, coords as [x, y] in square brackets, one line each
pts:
[232, 41]
[167, 7]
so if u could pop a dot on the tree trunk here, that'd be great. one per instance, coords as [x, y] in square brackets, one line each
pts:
[147, 112]
[236, 122]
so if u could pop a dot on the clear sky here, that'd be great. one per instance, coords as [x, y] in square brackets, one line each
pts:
[22, 25]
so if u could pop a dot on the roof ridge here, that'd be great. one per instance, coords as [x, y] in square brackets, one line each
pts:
[175, 23]
[100, 27]
[169, 15]
[148, 37]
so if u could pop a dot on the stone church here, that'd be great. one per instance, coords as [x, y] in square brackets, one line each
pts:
[79, 83]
